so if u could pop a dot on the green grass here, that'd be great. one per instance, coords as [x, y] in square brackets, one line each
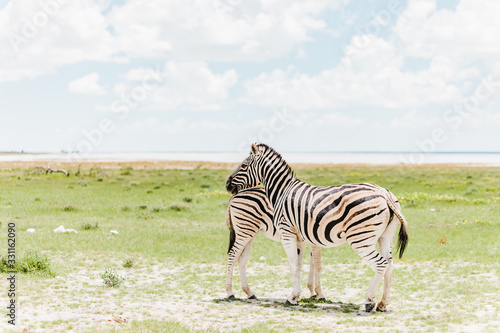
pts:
[178, 217]
[432, 198]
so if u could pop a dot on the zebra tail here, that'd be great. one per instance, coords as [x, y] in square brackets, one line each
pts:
[403, 232]
[232, 234]
[402, 240]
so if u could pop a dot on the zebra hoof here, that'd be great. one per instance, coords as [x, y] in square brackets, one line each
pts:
[322, 299]
[369, 307]
[289, 304]
[314, 296]
[230, 297]
[252, 297]
[381, 307]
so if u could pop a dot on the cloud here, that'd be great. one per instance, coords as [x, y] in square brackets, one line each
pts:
[415, 120]
[38, 37]
[373, 76]
[86, 85]
[468, 33]
[177, 86]
[217, 30]
[192, 85]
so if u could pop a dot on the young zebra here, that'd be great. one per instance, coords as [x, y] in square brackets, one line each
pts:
[249, 212]
[358, 214]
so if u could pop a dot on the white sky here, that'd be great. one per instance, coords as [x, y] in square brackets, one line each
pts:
[215, 75]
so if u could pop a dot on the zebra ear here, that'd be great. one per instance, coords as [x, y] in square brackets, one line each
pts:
[254, 149]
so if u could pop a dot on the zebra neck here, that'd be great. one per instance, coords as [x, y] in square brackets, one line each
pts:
[276, 180]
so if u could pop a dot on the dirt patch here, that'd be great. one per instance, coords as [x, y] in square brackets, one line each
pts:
[425, 296]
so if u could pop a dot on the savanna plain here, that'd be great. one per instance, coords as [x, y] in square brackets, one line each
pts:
[172, 241]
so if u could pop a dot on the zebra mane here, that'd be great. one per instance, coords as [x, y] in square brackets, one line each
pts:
[274, 153]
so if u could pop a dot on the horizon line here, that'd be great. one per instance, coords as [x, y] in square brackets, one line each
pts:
[237, 152]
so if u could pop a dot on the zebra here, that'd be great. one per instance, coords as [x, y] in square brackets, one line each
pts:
[361, 215]
[249, 212]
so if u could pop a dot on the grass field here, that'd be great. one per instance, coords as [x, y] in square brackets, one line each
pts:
[172, 243]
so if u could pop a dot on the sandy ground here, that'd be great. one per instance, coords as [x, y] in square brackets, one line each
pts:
[189, 165]
[190, 294]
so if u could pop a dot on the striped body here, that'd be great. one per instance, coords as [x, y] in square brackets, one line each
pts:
[331, 216]
[248, 213]
[361, 215]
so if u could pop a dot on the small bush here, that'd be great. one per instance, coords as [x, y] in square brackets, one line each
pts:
[205, 186]
[87, 225]
[143, 206]
[125, 208]
[149, 191]
[178, 207]
[37, 199]
[470, 191]
[126, 171]
[187, 199]
[31, 262]
[134, 183]
[69, 208]
[100, 179]
[111, 278]
[156, 209]
[128, 263]
[34, 261]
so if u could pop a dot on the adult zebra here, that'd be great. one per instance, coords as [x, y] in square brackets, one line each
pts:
[358, 214]
[249, 212]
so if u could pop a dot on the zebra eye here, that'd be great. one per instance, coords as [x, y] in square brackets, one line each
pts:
[244, 166]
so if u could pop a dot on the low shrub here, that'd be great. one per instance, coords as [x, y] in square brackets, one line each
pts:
[31, 262]
[111, 278]
[87, 225]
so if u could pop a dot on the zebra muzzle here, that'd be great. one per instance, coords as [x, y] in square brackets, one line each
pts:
[230, 187]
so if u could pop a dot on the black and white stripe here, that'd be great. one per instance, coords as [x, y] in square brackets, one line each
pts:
[361, 215]
[249, 212]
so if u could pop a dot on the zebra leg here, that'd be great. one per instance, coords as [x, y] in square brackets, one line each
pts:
[385, 248]
[232, 256]
[242, 263]
[310, 280]
[379, 264]
[301, 246]
[385, 245]
[301, 249]
[316, 266]
[290, 245]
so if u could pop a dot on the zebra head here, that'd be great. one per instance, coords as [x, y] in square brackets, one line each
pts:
[247, 174]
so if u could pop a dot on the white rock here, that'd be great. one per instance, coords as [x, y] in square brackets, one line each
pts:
[113, 232]
[71, 230]
[30, 230]
[262, 258]
[433, 209]
[60, 229]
